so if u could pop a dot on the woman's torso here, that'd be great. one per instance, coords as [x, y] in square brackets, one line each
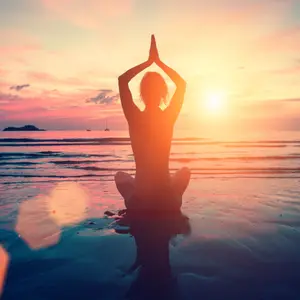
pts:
[151, 138]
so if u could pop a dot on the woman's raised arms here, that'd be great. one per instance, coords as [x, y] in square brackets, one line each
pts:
[131, 111]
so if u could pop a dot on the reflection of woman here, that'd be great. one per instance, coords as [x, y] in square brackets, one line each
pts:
[155, 279]
[151, 134]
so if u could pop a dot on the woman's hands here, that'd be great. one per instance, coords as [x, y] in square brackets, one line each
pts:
[153, 58]
[153, 53]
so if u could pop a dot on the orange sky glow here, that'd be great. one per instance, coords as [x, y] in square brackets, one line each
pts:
[60, 59]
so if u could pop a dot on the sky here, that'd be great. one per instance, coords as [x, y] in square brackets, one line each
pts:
[60, 60]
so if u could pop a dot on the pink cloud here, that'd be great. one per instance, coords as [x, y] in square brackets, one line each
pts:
[105, 96]
[89, 14]
[8, 98]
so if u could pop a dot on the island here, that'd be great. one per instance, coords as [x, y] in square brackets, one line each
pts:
[24, 128]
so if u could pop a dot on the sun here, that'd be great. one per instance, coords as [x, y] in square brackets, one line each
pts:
[214, 101]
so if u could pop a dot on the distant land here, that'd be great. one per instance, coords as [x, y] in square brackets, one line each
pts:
[23, 128]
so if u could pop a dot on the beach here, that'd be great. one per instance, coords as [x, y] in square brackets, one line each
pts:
[242, 209]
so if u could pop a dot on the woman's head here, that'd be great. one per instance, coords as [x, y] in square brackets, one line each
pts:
[153, 89]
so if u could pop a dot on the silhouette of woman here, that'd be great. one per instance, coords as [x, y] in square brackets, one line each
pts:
[151, 134]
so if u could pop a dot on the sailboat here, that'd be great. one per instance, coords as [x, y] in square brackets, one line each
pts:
[106, 128]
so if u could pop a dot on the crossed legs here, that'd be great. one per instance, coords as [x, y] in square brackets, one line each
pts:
[126, 184]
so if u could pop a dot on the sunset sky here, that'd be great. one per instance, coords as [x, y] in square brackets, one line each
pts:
[60, 59]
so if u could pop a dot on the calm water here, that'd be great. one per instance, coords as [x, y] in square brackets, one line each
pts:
[40, 156]
[242, 203]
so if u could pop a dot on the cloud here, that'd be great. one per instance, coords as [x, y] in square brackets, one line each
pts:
[104, 97]
[19, 87]
[5, 98]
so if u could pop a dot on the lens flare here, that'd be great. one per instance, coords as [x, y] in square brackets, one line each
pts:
[67, 203]
[40, 219]
[4, 261]
[35, 226]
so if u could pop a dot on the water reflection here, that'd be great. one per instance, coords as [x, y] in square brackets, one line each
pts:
[152, 233]
[244, 242]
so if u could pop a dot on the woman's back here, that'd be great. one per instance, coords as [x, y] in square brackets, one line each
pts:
[151, 138]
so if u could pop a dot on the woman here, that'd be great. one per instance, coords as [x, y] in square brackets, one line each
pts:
[151, 134]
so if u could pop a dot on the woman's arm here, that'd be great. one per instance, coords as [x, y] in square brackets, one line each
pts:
[129, 108]
[175, 105]
[176, 102]
[128, 75]
[175, 77]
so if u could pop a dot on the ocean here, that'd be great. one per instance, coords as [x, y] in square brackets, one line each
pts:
[242, 209]
[53, 156]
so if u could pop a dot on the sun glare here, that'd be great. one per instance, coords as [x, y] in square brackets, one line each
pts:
[214, 102]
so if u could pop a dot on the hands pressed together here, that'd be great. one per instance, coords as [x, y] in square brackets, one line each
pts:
[153, 53]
